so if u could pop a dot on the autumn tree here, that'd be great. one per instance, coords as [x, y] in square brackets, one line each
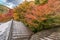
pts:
[37, 17]
[6, 16]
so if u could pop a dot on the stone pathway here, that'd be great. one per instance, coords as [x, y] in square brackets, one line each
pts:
[20, 32]
[51, 34]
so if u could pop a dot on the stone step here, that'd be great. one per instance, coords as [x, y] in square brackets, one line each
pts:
[46, 38]
[20, 31]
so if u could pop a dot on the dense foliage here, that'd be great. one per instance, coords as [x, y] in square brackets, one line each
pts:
[41, 2]
[38, 17]
[5, 13]
[6, 16]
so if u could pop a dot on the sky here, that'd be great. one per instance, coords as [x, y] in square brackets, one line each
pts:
[11, 3]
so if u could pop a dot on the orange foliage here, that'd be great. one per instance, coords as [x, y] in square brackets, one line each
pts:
[33, 14]
[6, 16]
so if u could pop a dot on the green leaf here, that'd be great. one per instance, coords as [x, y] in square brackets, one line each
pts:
[41, 1]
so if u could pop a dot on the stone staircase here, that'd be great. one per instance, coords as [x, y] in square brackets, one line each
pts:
[20, 31]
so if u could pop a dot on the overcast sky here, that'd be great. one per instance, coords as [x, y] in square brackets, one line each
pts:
[10, 3]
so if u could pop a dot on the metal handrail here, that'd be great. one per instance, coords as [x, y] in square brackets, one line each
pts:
[10, 33]
[5, 33]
